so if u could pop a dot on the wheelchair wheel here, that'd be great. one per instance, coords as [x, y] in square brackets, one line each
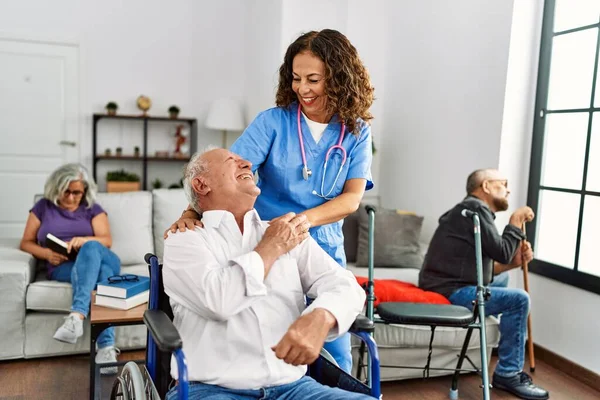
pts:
[130, 385]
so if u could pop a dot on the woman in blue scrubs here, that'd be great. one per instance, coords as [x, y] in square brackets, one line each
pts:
[313, 151]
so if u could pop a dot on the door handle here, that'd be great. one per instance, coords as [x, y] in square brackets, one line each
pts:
[67, 143]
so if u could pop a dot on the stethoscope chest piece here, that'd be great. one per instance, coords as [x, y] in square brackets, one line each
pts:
[306, 172]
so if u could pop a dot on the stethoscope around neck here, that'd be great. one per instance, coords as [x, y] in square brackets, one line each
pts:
[306, 172]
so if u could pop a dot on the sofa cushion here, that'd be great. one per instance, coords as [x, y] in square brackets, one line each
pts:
[392, 290]
[53, 296]
[397, 335]
[396, 239]
[130, 218]
[168, 204]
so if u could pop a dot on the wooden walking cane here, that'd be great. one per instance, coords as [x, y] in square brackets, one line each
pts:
[529, 333]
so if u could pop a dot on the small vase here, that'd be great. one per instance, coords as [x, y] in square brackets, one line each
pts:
[119, 152]
[173, 115]
[111, 111]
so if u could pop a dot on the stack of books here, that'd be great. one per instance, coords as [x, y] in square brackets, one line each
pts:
[123, 294]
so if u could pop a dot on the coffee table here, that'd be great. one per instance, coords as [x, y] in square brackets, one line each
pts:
[100, 319]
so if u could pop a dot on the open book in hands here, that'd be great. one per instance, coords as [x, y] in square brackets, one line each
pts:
[59, 246]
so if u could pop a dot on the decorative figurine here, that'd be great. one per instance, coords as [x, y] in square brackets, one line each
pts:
[181, 137]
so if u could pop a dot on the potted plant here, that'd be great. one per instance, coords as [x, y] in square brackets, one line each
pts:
[119, 151]
[173, 112]
[176, 185]
[111, 108]
[122, 181]
[136, 151]
[107, 152]
[157, 184]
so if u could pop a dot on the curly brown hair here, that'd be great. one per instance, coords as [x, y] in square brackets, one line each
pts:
[347, 83]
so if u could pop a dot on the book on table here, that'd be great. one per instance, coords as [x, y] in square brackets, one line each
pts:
[60, 246]
[123, 304]
[123, 287]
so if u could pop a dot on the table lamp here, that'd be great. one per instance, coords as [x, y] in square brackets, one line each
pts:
[225, 115]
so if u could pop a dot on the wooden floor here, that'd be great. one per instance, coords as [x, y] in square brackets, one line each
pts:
[68, 378]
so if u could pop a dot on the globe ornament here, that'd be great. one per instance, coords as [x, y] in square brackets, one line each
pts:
[144, 103]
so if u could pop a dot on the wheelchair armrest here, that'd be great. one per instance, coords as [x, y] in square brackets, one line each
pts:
[162, 330]
[362, 324]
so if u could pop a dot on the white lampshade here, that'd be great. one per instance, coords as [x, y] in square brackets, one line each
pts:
[225, 114]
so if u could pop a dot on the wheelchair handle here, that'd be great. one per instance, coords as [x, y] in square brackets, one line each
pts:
[362, 324]
[148, 257]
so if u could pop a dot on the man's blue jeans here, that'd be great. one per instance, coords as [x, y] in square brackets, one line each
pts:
[513, 304]
[94, 263]
[304, 388]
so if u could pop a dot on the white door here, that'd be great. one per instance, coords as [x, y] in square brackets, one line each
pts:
[39, 122]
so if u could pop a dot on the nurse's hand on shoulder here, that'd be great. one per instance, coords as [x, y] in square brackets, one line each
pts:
[182, 224]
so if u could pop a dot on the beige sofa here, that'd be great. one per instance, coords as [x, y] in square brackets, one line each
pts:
[32, 308]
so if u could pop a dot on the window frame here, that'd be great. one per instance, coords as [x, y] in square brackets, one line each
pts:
[566, 275]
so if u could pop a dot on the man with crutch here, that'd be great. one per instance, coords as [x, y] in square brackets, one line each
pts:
[450, 269]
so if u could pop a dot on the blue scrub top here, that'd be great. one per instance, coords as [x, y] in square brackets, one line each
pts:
[271, 144]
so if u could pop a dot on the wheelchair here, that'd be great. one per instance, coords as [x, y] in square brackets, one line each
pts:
[153, 380]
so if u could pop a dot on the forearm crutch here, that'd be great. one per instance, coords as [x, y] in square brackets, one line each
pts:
[529, 333]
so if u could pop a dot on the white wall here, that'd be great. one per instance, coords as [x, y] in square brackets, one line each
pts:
[262, 55]
[563, 316]
[182, 52]
[367, 30]
[445, 76]
[299, 17]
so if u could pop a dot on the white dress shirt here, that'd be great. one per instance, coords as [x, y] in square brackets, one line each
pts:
[229, 316]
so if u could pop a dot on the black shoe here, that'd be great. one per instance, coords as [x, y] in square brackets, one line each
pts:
[521, 386]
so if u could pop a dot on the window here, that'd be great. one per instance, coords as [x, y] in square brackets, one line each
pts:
[564, 183]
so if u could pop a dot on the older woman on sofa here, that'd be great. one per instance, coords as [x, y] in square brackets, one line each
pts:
[69, 212]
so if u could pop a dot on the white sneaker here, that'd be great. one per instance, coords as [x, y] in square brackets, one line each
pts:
[107, 355]
[70, 330]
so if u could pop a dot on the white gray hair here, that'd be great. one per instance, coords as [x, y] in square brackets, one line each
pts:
[195, 167]
[61, 178]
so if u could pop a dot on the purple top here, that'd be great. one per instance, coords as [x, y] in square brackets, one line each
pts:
[62, 223]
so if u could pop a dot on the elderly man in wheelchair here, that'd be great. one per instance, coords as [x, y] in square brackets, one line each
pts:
[237, 289]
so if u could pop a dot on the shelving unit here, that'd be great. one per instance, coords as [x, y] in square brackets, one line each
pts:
[144, 158]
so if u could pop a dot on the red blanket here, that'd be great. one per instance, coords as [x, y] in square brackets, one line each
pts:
[387, 290]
